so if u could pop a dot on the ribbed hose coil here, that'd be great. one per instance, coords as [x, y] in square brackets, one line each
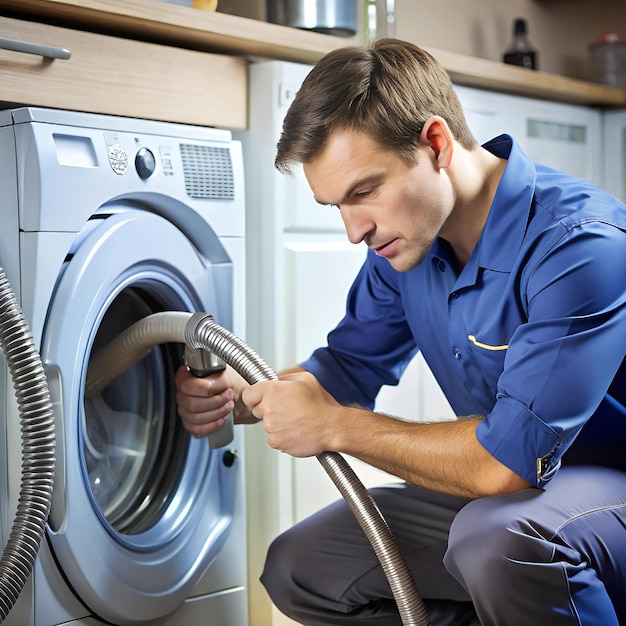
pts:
[410, 605]
[132, 345]
[199, 330]
[203, 332]
[38, 448]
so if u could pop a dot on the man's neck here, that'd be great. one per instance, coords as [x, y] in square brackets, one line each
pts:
[476, 177]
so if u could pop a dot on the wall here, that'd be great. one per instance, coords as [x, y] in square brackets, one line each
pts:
[560, 29]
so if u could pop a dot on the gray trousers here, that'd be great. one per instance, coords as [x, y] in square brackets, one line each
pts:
[554, 557]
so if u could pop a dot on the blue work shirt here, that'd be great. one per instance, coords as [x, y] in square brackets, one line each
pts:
[531, 333]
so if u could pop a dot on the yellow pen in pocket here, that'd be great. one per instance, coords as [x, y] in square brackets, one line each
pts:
[486, 346]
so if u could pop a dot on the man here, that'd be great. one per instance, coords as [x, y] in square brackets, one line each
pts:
[510, 278]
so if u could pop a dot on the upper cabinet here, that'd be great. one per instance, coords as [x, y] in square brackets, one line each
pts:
[119, 76]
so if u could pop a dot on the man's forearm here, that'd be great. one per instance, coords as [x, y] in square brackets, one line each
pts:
[442, 456]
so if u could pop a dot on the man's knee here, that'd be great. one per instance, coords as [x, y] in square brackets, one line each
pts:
[280, 571]
[485, 542]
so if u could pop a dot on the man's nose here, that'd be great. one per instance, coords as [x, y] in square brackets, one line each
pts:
[357, 223]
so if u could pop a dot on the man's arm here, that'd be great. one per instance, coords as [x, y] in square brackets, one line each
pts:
[304, 420]
[441, 456]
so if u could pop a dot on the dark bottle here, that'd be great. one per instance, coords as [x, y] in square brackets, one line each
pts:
[520, 51]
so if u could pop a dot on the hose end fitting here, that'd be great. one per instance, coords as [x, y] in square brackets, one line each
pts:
[192, 336]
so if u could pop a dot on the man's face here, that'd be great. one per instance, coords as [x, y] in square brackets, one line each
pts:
[396, 208]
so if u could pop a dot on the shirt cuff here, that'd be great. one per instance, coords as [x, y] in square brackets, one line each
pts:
[522, 441]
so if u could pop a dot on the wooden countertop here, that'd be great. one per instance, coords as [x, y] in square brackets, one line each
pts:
[157, 22]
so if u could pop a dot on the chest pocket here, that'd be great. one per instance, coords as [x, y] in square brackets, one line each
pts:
[487, 359]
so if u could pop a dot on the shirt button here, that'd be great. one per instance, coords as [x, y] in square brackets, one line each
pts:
[455, 294]
[442, 266]
[457, 354]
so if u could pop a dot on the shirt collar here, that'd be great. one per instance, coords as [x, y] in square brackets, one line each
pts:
[508, 217]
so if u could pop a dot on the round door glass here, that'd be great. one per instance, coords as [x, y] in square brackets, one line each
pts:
[133, 444]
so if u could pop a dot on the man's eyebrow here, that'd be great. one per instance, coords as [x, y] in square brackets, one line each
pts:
[363, 181]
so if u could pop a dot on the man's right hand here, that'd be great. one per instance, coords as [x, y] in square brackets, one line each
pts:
[205, 403]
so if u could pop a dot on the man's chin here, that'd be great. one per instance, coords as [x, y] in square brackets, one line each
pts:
[404, 265]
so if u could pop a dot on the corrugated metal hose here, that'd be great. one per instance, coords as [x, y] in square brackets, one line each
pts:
[38, 448]
[199, 330]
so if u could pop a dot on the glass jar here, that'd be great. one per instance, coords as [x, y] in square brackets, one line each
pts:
[607, 61]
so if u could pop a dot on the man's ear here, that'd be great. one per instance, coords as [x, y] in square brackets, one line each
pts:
[436, 133]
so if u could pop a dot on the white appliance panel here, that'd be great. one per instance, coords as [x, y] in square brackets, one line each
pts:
[318, 274]
[564, 136]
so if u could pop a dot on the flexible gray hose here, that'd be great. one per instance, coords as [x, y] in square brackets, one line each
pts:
[200, 331]
[132, 345]
[38, 448]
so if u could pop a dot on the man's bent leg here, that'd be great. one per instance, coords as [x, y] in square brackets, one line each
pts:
[324, 570]
[554, 556]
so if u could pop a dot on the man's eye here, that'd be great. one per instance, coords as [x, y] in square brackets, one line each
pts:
[363, 194]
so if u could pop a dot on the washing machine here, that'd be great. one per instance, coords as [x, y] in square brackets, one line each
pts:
[106, 220]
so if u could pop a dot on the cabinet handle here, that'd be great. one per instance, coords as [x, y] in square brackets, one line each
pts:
[49, 52]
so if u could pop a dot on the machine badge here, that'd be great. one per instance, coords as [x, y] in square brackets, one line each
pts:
[118, 159]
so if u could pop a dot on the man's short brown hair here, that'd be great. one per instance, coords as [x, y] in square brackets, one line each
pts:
[387, 90]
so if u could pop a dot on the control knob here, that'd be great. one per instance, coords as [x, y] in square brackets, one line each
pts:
[145, 163]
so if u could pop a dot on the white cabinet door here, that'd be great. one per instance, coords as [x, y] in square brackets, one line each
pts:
[484, 112]
[319, 270]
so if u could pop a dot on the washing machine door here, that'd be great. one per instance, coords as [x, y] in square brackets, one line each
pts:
[140, 508]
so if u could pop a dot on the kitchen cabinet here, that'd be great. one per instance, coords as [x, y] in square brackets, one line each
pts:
[117, 76]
